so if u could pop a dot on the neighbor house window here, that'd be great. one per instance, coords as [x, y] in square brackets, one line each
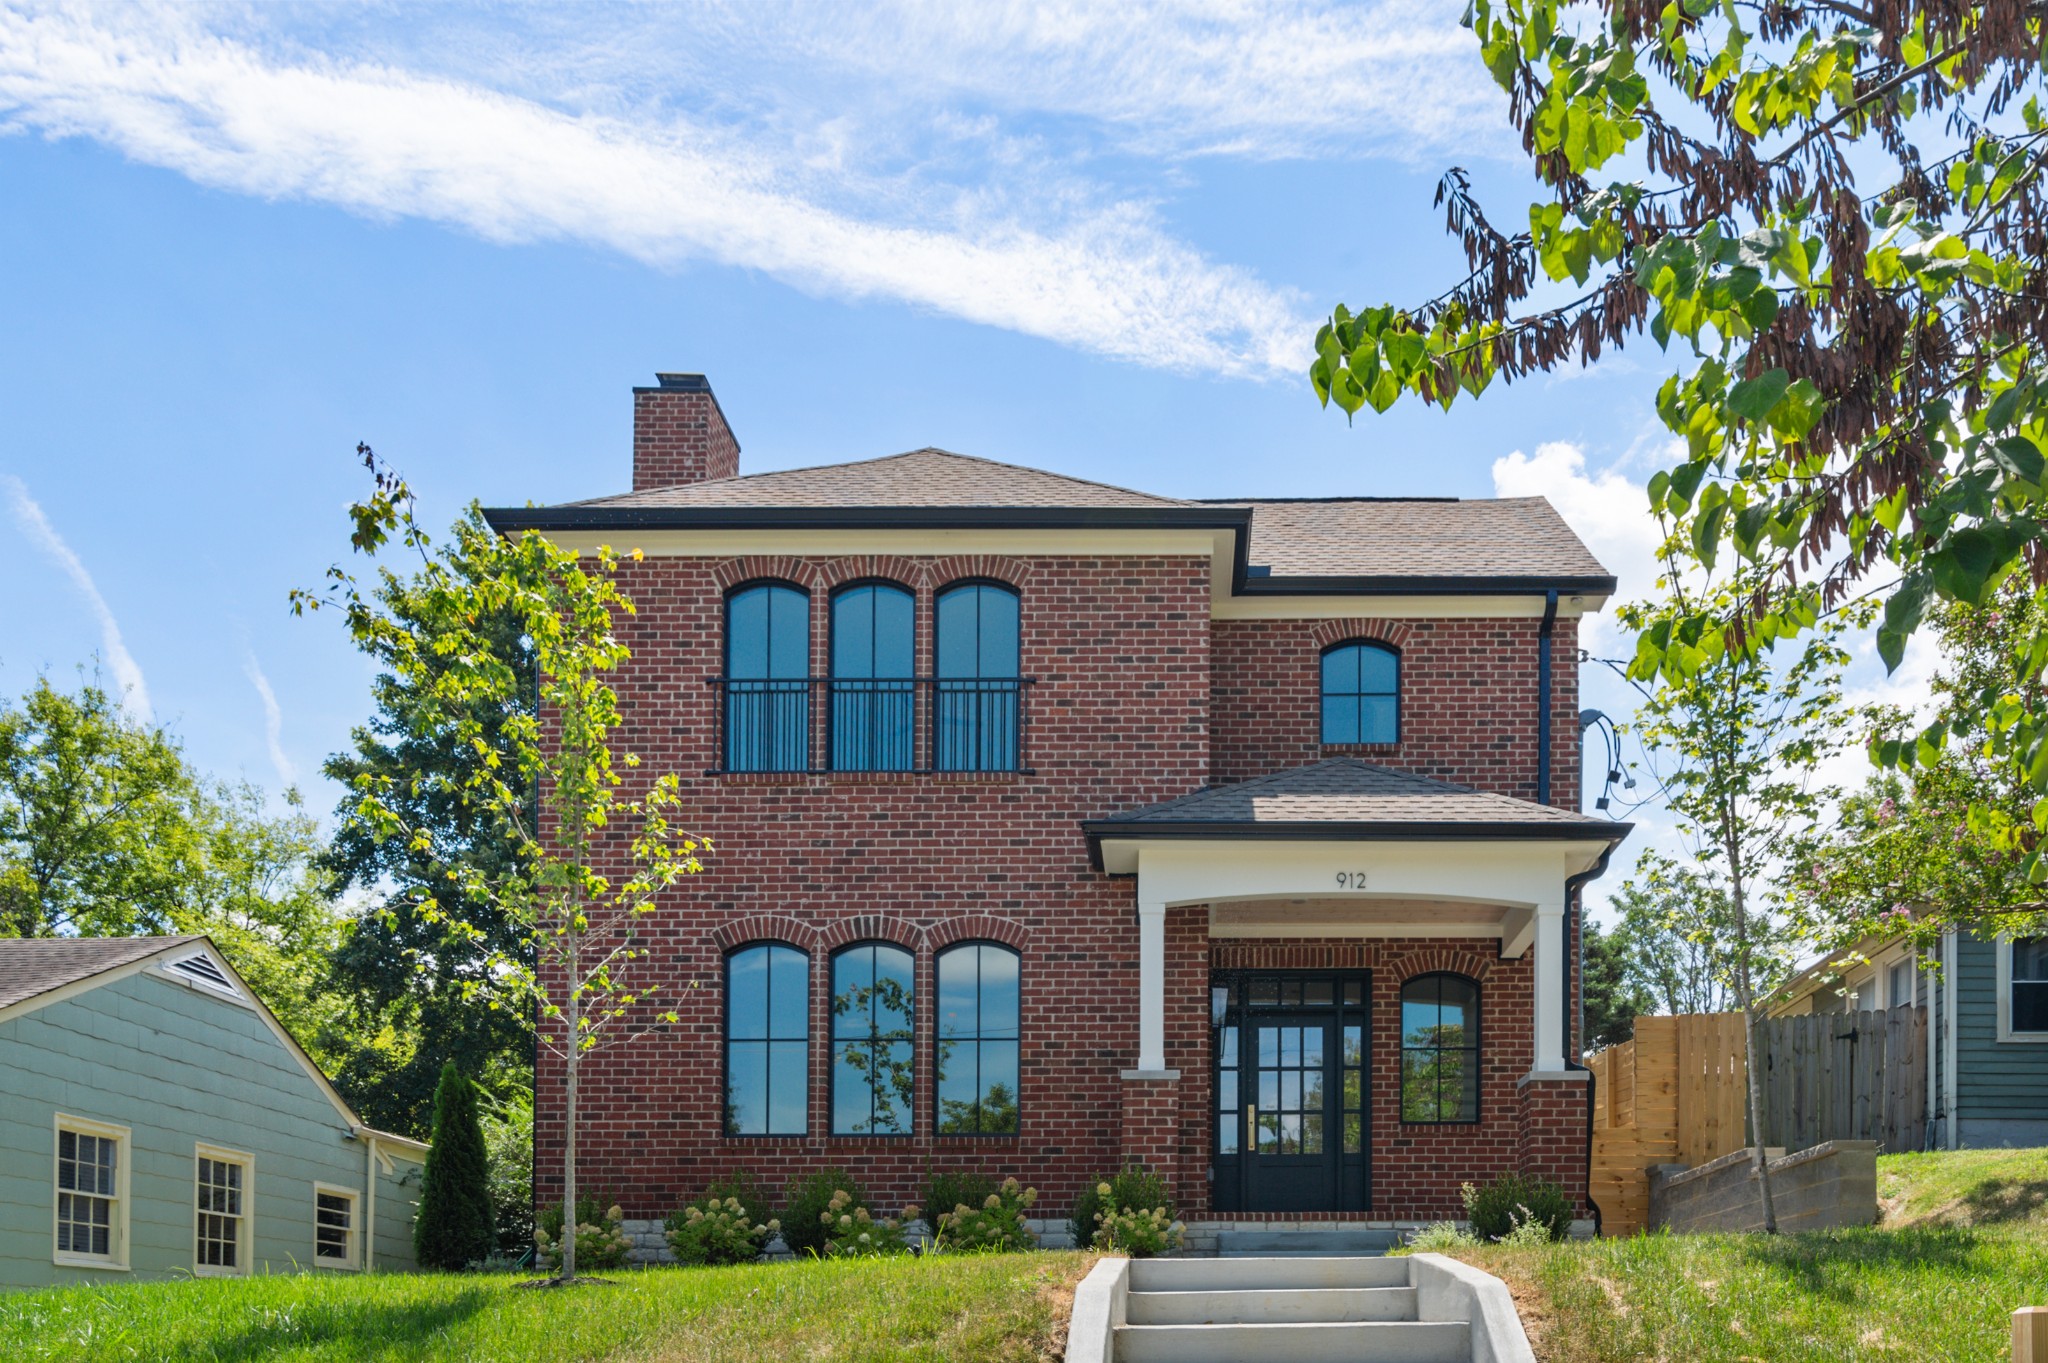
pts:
[767, 691]
[1900, 986]
[1361, 694]
[873, 999]
[2029, 986]
[92, 1193]
[977, 1039]
[874, 689]
[1440, 1049]
[767, 1041]
[220, 1219]
[334, 1226]
[977, 665]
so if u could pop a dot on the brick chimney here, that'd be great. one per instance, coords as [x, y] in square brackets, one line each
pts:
[679, 434]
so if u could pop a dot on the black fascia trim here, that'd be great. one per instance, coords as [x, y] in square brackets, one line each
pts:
[513, 519]
[1417, 830]
[1405, 585]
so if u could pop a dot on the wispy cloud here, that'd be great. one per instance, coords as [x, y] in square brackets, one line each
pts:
[28, 513]
[273, 721]
[916, 152]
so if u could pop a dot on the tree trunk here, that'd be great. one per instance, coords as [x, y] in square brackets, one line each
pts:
[1745, 992]
[572, 1054]
[1759, 1162]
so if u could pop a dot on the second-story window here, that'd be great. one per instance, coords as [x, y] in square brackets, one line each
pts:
[767, 694]
[1361, 694]
[874, 691]
[975, 706]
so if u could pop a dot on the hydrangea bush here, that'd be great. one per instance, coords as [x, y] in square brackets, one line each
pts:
[1140, 1232]
[852, 1231]
[714, 1230]
[600, 1242]
[997, 1225]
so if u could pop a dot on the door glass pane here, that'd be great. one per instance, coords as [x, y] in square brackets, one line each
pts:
[1226, 1091]
[1312, 1047]
[1354, 1134]
[1316, 991]
[1354, 992]
[1269, 1090]
[1290, 1045]
[1312, 1133]
[1269, 1046]
[1265, 993]
[1229, 1048]
[1269, 1133]
[1226, 1133]
[1290, 1090]
[1290, 1133]
[1354, 1045]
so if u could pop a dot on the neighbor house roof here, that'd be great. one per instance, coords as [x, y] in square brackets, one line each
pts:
[1343, 797]
[35, 965]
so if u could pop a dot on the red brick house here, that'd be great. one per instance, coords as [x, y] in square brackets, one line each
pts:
[1060, 825]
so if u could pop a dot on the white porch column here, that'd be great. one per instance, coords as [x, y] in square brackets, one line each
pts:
[1549, 965]
[1151, 987]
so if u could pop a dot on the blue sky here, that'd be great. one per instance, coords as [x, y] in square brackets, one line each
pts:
[235, 240]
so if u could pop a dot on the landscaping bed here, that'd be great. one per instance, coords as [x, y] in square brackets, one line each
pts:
[1003, 1308]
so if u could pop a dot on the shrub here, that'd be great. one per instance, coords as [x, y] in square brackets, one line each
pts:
[1512, 1200]
[943, 1192]
[1137, 1231]
[600, 1237]
[1436, 1238]
[995, 1224]
[852, 1231]
[508, 1145]
[1128, 1187]
[715, 1230]
[454, 1228]
[805, 1202]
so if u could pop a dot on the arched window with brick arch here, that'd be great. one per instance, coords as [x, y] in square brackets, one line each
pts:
[873, 715]
[1361, 692]
[978, 1036]
[1440, 1048]
[767, 667]
[767, 1040]
[978, 656]
[874, 1002]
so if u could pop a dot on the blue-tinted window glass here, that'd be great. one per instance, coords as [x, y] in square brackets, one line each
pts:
[2030, 984]
[873, 999]
[1361, 694]
[979, 1014]
[874, 696]
[767, 699]
[767, 1040]
[977, 700]
[1439, 1049]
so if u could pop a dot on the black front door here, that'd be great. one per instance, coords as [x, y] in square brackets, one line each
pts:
[1291, 1128]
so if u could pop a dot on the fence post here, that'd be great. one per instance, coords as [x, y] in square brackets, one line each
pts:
[2030, 1335]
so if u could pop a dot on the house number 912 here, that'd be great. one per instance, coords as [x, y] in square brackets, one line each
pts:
[1350, 880]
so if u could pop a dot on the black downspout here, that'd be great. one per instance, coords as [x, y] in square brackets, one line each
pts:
[1573, 885]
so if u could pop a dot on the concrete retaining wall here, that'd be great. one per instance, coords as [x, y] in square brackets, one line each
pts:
[1833, 1184]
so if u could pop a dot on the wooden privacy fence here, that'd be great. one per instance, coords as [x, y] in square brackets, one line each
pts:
[1678, 1094]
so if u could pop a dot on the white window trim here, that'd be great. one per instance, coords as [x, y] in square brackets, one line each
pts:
[354, 1260]
[245, 1228]
[2006, 1035]
[116, 1260]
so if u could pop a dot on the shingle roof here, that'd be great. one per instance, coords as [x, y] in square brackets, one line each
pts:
[1506, 537]
[926, 477]
[35, 965]
[1344, 790]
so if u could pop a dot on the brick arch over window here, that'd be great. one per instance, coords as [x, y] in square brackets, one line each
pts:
[1011, 572]
[1441, 961]
[797, 572]
[977, 928]
[905, 572]
[872, 927]
[1330, 632]
[765, 927]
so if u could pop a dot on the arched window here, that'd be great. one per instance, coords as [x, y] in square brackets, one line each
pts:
[978, 682]
[1440, 1049]
[874, 992]
[977, 1037]
[767, 662]
[1361, 694]
[767, 1041]
[874, 691]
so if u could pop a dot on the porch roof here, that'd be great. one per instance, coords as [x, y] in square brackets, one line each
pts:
[1344, 798]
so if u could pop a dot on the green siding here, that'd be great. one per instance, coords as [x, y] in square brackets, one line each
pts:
[177, 1066]
[1993, 1080]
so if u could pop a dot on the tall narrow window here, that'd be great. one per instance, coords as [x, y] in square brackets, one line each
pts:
[220, 1212]
[1440, 1049]
[2030, 984]
[767, 664]
[91, 1183]
[874, 692]
[1361, 694]
[978, 686]
[767, 1041]
[873, 999]
[977, 1034]
[334, 1226]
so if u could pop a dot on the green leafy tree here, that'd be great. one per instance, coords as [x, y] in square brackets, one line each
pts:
[1671, 914]
[588, 859]
[1611, 1001]
[1833, 214]
[455, 1226]
[508, 1142]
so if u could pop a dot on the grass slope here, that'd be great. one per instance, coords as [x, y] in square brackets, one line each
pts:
[1963, 1240]
[1009, 1308]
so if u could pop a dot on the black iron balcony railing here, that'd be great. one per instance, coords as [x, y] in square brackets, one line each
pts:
[915, 725]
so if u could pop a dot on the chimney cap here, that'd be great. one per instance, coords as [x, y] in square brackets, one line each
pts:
[678, 383]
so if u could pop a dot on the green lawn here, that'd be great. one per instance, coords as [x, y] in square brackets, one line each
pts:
[1009, 1308]
[1963, 1240]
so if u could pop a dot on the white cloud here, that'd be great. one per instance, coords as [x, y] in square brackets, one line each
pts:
[273, 721]
[28, 513]
[1610, 513]
[581, 156]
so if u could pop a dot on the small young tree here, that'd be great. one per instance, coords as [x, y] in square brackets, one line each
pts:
[455, 1226]
[546, 776]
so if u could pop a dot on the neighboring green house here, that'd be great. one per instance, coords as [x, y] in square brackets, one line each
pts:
[156, 1121]
[1987, 1036]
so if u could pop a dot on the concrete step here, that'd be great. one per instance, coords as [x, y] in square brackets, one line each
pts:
[1309, 1243]
[1264, 1274]
[1378, 1342]
[1297, 1306]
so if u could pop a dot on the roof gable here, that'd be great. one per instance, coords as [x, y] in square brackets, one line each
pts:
[30, 966]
